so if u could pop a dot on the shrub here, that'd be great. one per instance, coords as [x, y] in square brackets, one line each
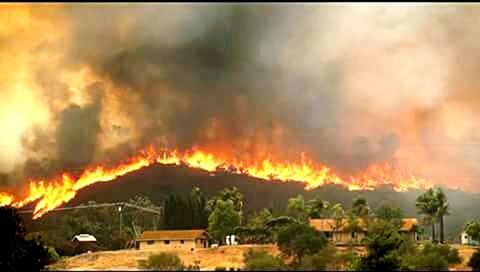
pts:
[162, 261]
[261, 260]
[325, 259]
[474, 261]
[220, 268]
[53, 255]
[300, 239]
[431, 257]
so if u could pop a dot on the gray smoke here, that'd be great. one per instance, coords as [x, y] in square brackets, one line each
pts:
[351, 85]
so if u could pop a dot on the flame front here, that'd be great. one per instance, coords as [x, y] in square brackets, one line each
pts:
[51, 194]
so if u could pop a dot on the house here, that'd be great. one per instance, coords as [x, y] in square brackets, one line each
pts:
[172, 239]
[468, 240]
[83, 239]
[338, 230]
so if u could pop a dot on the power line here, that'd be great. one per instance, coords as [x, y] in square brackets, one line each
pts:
[118, 204]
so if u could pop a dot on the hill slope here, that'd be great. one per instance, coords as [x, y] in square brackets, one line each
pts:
[157, 181]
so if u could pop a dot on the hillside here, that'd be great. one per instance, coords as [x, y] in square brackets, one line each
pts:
[210, 258]
[157, 181]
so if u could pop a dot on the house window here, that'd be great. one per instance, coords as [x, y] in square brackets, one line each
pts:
[166, 242]
[354, 234]
[328, 234]
[150, 242]
[182, 242]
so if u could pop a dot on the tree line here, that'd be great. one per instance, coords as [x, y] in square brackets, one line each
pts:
[301, 244]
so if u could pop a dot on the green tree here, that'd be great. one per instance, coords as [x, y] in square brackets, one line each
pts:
[338, 214]
[260, 220]
[165, 261]
[389, 213]
[431, 257]
[325, 259]
[382, 242]
[426, 204]
[442, 209]
[17, 253]
[360, 207]
[232, 194]
[300, 239]
[316, 207]
[257, 230]
[296, 206]
[472, 228]
[223, 220]
[261, 260]
[198, 209]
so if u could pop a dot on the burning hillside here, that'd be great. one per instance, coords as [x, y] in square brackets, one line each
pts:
[370, 99]
[50, 194]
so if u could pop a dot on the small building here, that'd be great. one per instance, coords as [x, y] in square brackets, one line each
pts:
[84, 239]
[172, 239]
[468, 240]
[338, 231]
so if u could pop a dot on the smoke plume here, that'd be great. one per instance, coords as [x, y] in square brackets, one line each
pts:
[350, 85]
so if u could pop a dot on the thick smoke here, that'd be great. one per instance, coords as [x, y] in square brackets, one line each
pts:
[350, 85]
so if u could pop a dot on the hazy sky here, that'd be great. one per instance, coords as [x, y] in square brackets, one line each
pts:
[350, 85]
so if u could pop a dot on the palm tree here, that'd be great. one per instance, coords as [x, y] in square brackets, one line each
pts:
[442, 208]
[315, 207]
[360, 207]
[427, 205]
[296, 205]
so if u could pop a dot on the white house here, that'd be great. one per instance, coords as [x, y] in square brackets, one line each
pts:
[468, 240]
[84, 238]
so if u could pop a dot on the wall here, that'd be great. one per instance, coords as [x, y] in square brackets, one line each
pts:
[172, 245]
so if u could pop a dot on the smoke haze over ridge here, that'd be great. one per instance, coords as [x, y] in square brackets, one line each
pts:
[350, 85]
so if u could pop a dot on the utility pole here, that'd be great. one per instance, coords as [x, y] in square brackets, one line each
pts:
[120, 212]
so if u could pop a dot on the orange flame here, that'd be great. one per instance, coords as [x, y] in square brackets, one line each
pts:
[53, 193]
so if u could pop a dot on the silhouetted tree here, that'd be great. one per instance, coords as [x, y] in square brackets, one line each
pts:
[16, 252]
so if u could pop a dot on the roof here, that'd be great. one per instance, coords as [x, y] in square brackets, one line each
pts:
[84, 238]
[329, 225]
[171, 235]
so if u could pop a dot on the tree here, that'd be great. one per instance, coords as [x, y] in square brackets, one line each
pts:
[338, 214]
[164, 261]
[223, 220]
[360, 207]
[325, 259]
[315, 207]
[300, 239]
[296, 206]
[442, 209]
[434, 257]
[17, 253]
[261, 260]
[472, 228]
[474, 261]
[232, 194]
[197, 205]
[142, 220]
[389, 213]
[427, 205]
[382, 242]
[257, 230]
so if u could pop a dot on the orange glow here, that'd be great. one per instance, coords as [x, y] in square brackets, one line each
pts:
[51, 194]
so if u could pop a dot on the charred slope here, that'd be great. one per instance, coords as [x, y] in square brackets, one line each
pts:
[157, 181]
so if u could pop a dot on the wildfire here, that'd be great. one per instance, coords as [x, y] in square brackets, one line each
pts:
[51, 194]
